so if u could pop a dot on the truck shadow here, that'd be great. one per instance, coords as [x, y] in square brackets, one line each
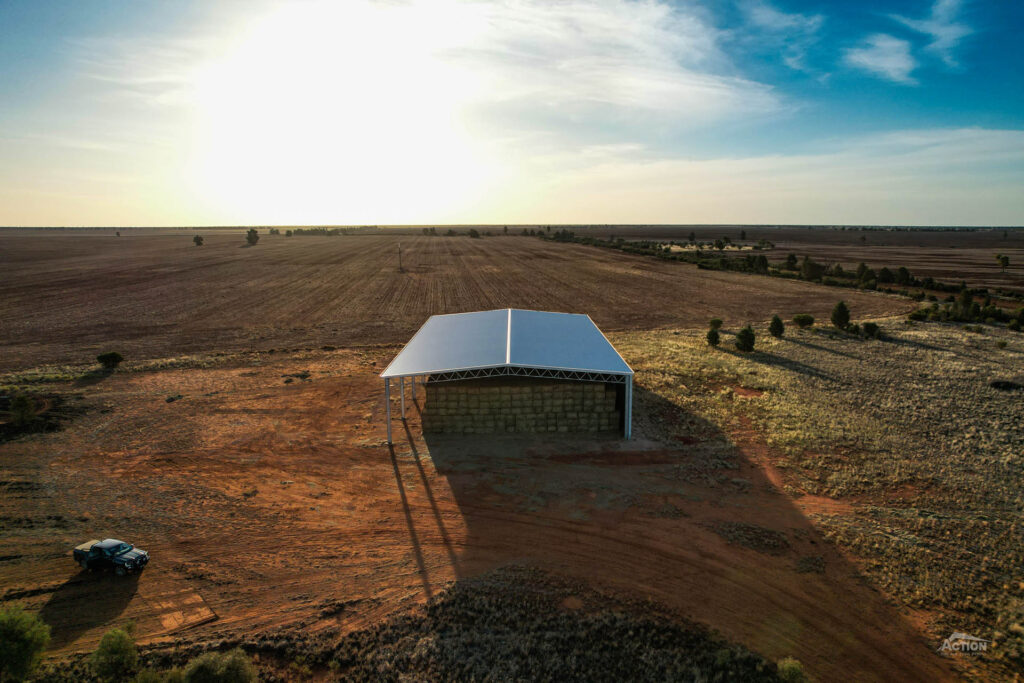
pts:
[86, 601]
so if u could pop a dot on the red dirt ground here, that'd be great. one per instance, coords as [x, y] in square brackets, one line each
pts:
[152, 294]
[268, 504]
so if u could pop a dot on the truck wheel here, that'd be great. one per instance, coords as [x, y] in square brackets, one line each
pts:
[120, 571]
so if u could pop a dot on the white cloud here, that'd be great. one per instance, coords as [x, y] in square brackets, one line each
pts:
[792, 33]
[943, 28]
[883, 55]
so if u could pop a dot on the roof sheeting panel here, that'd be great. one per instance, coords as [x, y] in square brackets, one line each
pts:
[563, 341]
[459, 341]
[507, 337]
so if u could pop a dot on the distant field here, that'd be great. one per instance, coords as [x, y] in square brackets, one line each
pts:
[68, 295]
[945, 255]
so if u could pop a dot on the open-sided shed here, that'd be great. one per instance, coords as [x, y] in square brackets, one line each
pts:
[514, 344]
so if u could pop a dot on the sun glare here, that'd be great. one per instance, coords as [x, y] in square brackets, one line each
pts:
[346, 112]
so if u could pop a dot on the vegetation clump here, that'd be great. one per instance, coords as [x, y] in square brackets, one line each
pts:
[841, 315]
[198, 240]
[23, 637]
[117, 657]
[221, 667]
[871, 330]
[776, 328]
[713, 337]
[803, 320]
[792, 671]
[745, 339]
[252, 237]
[110, 359]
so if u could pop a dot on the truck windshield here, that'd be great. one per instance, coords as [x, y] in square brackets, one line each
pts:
[123, 548]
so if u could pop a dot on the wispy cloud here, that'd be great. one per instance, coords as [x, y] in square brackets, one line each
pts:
[792, 33]
[885, 56]
[943, 27]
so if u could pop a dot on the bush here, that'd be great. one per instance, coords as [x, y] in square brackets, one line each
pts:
[110, 359]
[841, 315]
[791, 670]
[116, 657]
[1001, 343]
[474, 233]
[713, 337]
[803, 320]
[919, 314]
[871, 330]
[23, 637]
[252, 237]
[198, 240]
[715, 323]
[853, 328]
[745, 339]
[23, 410]
[776, 327]
[287, 233]
[1014, 325]
[221, 667]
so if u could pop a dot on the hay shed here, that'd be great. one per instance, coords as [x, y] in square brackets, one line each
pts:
[512, 370]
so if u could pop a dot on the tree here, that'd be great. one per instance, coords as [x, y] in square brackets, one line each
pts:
[473, 233]
[1004, 261]
[743, 234]
[719, 245]
[803, 320]
[809, 270]
[252, 237]
[713, 337]
[110, 359]
[903, 276]
[841, 315]
[745, 339]
[198, 240]
[221, 667]
[715, 323]
[791, 262]
[871, 330]
[116, 657]
[885, 275]
[287, 233]
[693, 237]
[23, 637]
[777, 328]
[506, 229]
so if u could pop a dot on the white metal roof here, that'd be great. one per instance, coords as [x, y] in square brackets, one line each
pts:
[507, 337]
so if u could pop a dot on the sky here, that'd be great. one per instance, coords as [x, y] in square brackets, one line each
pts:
[908, 112]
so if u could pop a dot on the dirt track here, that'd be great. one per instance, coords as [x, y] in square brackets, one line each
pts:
[274, 504]
[68, 296]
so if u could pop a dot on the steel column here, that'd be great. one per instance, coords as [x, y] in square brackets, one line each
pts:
[387, 404]
[629, 408]
[401, 390]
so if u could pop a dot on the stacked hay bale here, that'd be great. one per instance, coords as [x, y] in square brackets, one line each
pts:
[511, 406]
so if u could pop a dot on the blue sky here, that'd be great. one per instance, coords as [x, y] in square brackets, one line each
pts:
[180, 113]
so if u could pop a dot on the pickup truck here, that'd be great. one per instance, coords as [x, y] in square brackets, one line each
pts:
[111, 553]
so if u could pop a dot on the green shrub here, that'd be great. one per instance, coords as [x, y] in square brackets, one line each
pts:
[474, 233]
[148, 676]
[221, 667]
[116, 657]
[871, 330]
[745, 339]
[713, 337]
[791, 670]
[853, 328]
[841, 315]
[252, 237]
[715, 323]
[803, 320]
[1001, 343]
[110, 359]
[919, 314]
[23, 637]
[198, 240]
[1014, 326]
[23, 410]
[287, 233]
[777, 328]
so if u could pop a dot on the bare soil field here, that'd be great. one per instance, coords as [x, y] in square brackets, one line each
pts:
[273, 506]
[68, 295]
